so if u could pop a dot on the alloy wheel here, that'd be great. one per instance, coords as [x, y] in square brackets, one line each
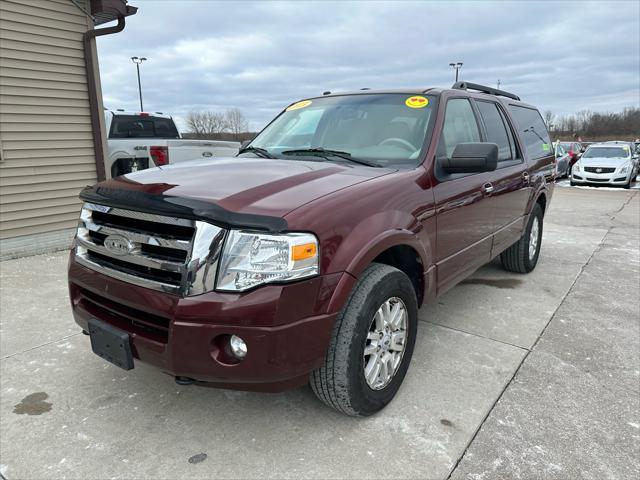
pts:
[533, 238]
[385, 343]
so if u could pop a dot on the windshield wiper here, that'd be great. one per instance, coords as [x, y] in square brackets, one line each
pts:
[325, 153]
[261, 152]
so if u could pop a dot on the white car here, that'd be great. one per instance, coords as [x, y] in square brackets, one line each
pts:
[139, 140]
[605, 164]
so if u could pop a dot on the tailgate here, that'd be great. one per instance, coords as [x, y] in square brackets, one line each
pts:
[184, 150]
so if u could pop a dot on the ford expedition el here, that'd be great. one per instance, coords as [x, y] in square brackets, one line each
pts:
[305, 258]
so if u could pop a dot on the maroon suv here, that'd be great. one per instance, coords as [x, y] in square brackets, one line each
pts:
[305, 258]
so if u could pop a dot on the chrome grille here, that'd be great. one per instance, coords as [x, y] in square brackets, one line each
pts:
[170, 254]
[599, 169]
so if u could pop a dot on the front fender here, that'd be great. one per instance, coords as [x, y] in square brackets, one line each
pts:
[366, 241]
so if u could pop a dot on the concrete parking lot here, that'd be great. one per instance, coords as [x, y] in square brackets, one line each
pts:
[533, 376]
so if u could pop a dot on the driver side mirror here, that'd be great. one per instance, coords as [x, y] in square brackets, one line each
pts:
[472, 158]
[244, 144]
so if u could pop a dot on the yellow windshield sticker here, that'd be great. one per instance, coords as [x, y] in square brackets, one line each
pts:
[625, 147]
[302, 104]
[416, 102]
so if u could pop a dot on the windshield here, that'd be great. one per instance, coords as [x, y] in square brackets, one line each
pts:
[607, 152]
[385, 129]
[567, 145]
[138, 126]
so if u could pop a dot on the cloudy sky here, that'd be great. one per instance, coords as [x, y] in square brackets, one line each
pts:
[209, 55]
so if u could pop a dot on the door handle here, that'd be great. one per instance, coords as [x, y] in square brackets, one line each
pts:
[525, 177]
[487, 188]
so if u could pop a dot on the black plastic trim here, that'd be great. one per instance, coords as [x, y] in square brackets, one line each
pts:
[188, 208]
[483, 89]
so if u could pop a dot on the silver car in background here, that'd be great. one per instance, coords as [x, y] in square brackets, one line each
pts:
[605, 164]
[563, 161]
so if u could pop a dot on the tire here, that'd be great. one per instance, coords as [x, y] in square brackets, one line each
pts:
[122, 166]
[627, 185]
[341, 383]
[522, 257]
[572, 183]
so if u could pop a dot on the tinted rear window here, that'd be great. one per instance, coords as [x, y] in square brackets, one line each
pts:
[496, 129]
[533, 131]
[136, 126]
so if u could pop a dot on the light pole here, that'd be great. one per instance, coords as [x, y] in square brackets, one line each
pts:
[457, 66]
[138, 61]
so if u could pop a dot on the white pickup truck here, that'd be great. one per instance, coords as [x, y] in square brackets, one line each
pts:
[141, 140]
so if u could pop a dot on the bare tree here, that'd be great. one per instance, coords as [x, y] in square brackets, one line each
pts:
[236, 122]
[583, 119]
[195, 122]
[206, 123]
[549, 119]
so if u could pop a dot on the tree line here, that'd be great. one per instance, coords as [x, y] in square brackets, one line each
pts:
[232, 124]
[623, 125]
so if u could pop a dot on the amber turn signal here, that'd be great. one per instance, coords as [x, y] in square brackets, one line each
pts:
[302, 252]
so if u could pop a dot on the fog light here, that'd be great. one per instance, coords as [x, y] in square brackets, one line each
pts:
[238, 347]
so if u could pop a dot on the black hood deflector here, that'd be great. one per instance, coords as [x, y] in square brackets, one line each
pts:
[180, 207]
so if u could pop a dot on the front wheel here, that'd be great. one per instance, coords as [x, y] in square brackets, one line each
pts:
[522, 256]
[371, 345]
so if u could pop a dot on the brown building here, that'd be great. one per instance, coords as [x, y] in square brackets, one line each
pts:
[51, 121]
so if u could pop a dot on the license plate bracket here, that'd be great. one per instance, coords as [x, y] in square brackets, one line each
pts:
[110, 343]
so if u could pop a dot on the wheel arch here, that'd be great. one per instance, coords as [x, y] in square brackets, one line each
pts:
[401, 249]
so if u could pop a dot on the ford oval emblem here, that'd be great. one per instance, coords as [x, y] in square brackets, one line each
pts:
[118, 245]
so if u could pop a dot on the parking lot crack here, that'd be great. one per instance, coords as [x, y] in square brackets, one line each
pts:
[475, 335]
[40, 346]
[598, 248]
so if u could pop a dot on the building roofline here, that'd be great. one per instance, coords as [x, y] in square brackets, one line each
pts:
[105, 11]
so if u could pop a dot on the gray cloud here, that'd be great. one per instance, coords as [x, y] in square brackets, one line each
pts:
[259, 57]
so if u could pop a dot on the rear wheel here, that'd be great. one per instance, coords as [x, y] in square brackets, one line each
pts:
[522, 256]
[371, 345]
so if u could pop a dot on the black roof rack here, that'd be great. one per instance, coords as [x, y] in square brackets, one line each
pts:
[483, 89]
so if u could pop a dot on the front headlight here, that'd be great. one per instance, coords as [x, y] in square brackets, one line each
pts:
[625, 168]
[577, 166]
[252, 259]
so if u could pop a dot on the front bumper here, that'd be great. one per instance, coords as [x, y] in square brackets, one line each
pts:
[610, 179]
[287, 328]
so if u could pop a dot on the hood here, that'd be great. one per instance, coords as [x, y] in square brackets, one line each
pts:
[604, 162]
[259, 186]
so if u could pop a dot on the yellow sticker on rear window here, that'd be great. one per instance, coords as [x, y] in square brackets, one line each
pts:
[302, 104]
[416, 102]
